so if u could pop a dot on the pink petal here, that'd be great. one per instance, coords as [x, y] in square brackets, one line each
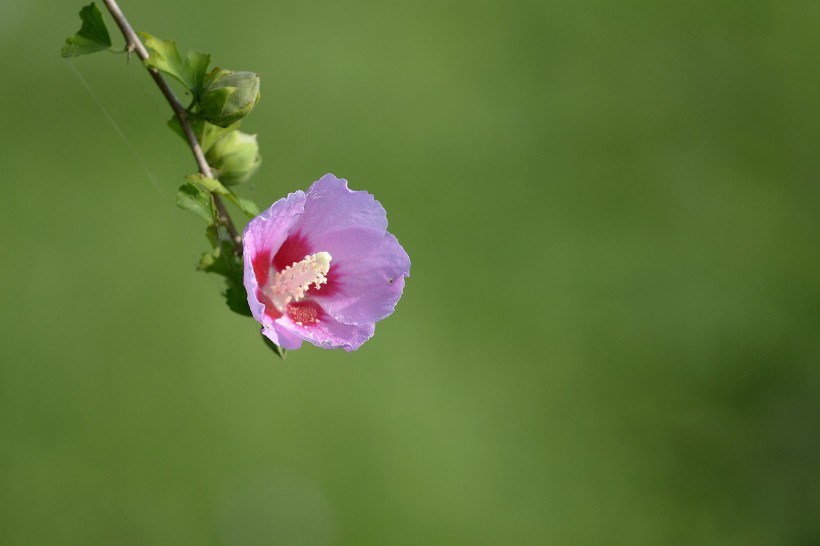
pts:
[285, 337]
[365, 285]
[262, 238]
[330, 206]
[326, 332]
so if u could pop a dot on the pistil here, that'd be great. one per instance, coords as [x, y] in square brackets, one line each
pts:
[291, 284]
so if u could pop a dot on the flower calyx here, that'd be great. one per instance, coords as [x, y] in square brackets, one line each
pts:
[228, 96]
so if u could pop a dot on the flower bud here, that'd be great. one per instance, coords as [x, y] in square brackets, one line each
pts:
[228, 96]
[234, 157]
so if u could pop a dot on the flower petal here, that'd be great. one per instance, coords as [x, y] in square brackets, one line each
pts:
[365, 285]
[330, 206]
[326, 332]
[262, 238]
[285, 338]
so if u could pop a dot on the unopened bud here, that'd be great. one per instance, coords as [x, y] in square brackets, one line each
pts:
[234, 157]
[228, 96]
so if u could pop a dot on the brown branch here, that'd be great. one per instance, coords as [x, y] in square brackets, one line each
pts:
[134, 44]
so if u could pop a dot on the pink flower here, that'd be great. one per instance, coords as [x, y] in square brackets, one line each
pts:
[321, 267]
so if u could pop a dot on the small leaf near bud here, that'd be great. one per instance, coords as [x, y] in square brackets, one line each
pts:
[228, 96]
[206, 133]
[213, 185]
[235, 157]
[189, 70]
[196, 200]
[92, 37]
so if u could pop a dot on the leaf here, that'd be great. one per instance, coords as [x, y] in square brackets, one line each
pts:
[92, 37]
[225, 261]
[215, 186]
[190, 71]
[208, 184]
[246, 205]
[280, 352]
[212, 233]
[206, 133]
[210, 262]
[237, 299]
[194, 199]
[219, 261]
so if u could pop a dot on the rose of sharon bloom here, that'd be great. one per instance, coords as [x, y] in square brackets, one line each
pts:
[321, 267]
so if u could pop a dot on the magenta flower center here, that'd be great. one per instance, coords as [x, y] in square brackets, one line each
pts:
[291, 284]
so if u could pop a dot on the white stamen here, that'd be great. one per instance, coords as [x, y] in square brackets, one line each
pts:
[291, 283]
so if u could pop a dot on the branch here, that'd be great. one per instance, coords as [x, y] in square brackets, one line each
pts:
[134, 44]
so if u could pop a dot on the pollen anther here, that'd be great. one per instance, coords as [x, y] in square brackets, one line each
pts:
[291, 283]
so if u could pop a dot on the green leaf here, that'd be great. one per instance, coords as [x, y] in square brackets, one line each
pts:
[221, 261]
[245, 205]
[210, 262]
[92, 37]
[212, 233]
[225, 261]
[237, 298]
[280, 352]
[193, 199]
[206, 133]
[215, 186]
[190, 71]
[228, 265]
[208, 184]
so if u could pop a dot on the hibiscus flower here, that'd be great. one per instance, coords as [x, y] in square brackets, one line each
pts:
[321, 267]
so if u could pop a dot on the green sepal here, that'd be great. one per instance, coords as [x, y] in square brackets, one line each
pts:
[218, 102]
[234, 158]
[206, 133]
[92, 37]
[215, 186]
[190, 71]
[279, 351]
[228, 96]
[192, 198]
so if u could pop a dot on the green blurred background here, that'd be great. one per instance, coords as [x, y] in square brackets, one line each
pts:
[611, 334]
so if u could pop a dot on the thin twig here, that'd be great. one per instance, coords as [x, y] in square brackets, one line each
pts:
[134, 44]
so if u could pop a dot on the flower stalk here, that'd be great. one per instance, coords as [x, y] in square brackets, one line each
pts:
[134, 44]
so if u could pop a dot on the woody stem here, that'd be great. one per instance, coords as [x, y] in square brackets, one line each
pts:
[134, 44]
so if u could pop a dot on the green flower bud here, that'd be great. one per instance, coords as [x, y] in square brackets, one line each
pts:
[234, 157]
[228, 96]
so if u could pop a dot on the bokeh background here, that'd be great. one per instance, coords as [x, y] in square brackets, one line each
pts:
[611, 334]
